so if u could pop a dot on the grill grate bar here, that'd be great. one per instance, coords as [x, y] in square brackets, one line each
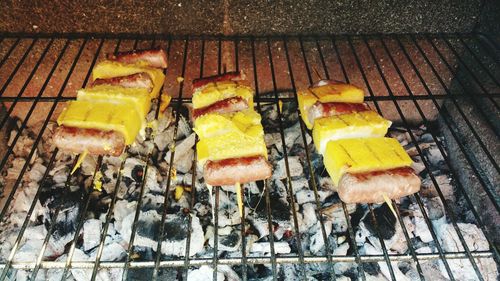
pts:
[312, 183]
[447, 209]
[288, 186]
[344, 206]
[266, 182]
[87, 193]
[251, 260]
[170, 170]
[193, 181]
[104, 230]
[243, 217]
[143, 181]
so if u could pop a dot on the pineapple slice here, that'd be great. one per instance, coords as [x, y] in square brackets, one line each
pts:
[107, 116]
[109, 69]
[338, 92]
[306, 99]
[232, 135]
[135, 97]
[363, 155]
[217, 91]
[353, 125]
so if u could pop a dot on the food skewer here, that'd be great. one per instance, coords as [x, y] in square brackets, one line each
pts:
[365, 166]
[231, 148]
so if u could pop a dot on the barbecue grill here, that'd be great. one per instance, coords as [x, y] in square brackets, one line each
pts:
[441, 90]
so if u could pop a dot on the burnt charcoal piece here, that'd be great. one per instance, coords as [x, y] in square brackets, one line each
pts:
[230, 240]
[385, 220]
[279, 209]
[174, 236]
[137, 173]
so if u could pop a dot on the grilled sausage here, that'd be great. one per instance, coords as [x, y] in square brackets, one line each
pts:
[138, 80]
[224, 106]
[369, 187]
[320, 110]
[236, 170]
[153, 57]
[96, 142]
[229, 76]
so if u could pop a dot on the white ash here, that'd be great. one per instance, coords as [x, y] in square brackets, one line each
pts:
[204, 273]
[265, 247]
[476, 241]
[294, 167]
[14, 170]
[91, 234]
[317, 243]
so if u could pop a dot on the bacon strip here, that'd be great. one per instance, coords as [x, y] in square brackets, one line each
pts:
[236, 170]
[229, 76]
[320, 110]
[138, 80]
[223, 106]
[96, 142]
[153, 57]
[369, 187]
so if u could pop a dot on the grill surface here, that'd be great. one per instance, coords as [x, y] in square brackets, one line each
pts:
[400, 73]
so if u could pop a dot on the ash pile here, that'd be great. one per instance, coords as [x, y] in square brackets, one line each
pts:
[119, 209]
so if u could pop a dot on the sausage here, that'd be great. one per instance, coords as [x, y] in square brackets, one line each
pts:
[320, 110]
[153, 57]
[236, 170]
[223, 106]
[369, 187]
[95, 142]
[138, 80]
[228, 76]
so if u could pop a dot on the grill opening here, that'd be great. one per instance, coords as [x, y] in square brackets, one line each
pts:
[441, 91]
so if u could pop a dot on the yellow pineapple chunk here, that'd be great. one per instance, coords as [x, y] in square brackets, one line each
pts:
[217, 91]
[134, 97]
[232, 135]
[109, 69]
[363, 155]
[306, 99]
[353, 125]
[339, 92]
[106, 116]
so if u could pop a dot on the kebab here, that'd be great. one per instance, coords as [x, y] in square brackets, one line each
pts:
[108, 115]
[231, 148]
[365, 167]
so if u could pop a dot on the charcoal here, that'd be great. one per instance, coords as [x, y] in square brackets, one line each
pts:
[228, 241]
[175, 232]
[386, 222]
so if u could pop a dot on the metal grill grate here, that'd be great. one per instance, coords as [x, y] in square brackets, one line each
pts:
[408, 79]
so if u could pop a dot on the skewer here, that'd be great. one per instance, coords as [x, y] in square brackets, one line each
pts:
[239, 195]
